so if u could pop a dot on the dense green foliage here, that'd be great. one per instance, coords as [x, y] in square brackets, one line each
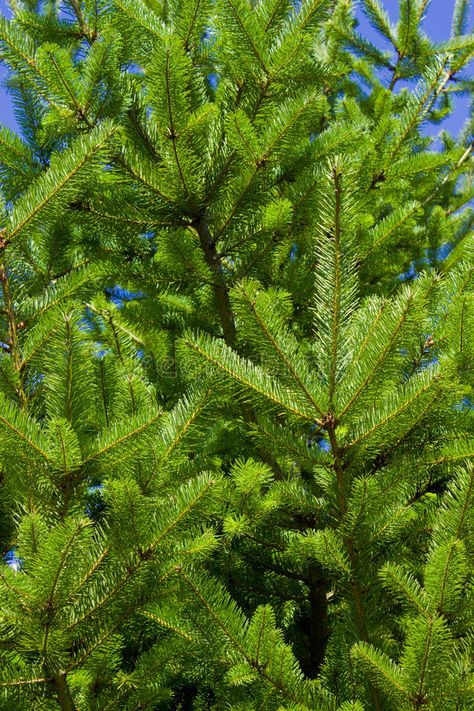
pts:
[243, 478]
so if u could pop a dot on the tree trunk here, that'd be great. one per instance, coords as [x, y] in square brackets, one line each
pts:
[63, 692]
[318, 619]
[221, 289]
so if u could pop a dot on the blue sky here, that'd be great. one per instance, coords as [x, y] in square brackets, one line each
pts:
[437, 25]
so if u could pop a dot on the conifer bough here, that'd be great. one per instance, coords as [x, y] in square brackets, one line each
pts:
[236, 359]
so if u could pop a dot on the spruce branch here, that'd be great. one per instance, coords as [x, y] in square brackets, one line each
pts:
[434, 84]
[58, 180]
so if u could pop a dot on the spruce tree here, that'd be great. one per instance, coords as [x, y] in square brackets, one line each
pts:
[236, 330]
